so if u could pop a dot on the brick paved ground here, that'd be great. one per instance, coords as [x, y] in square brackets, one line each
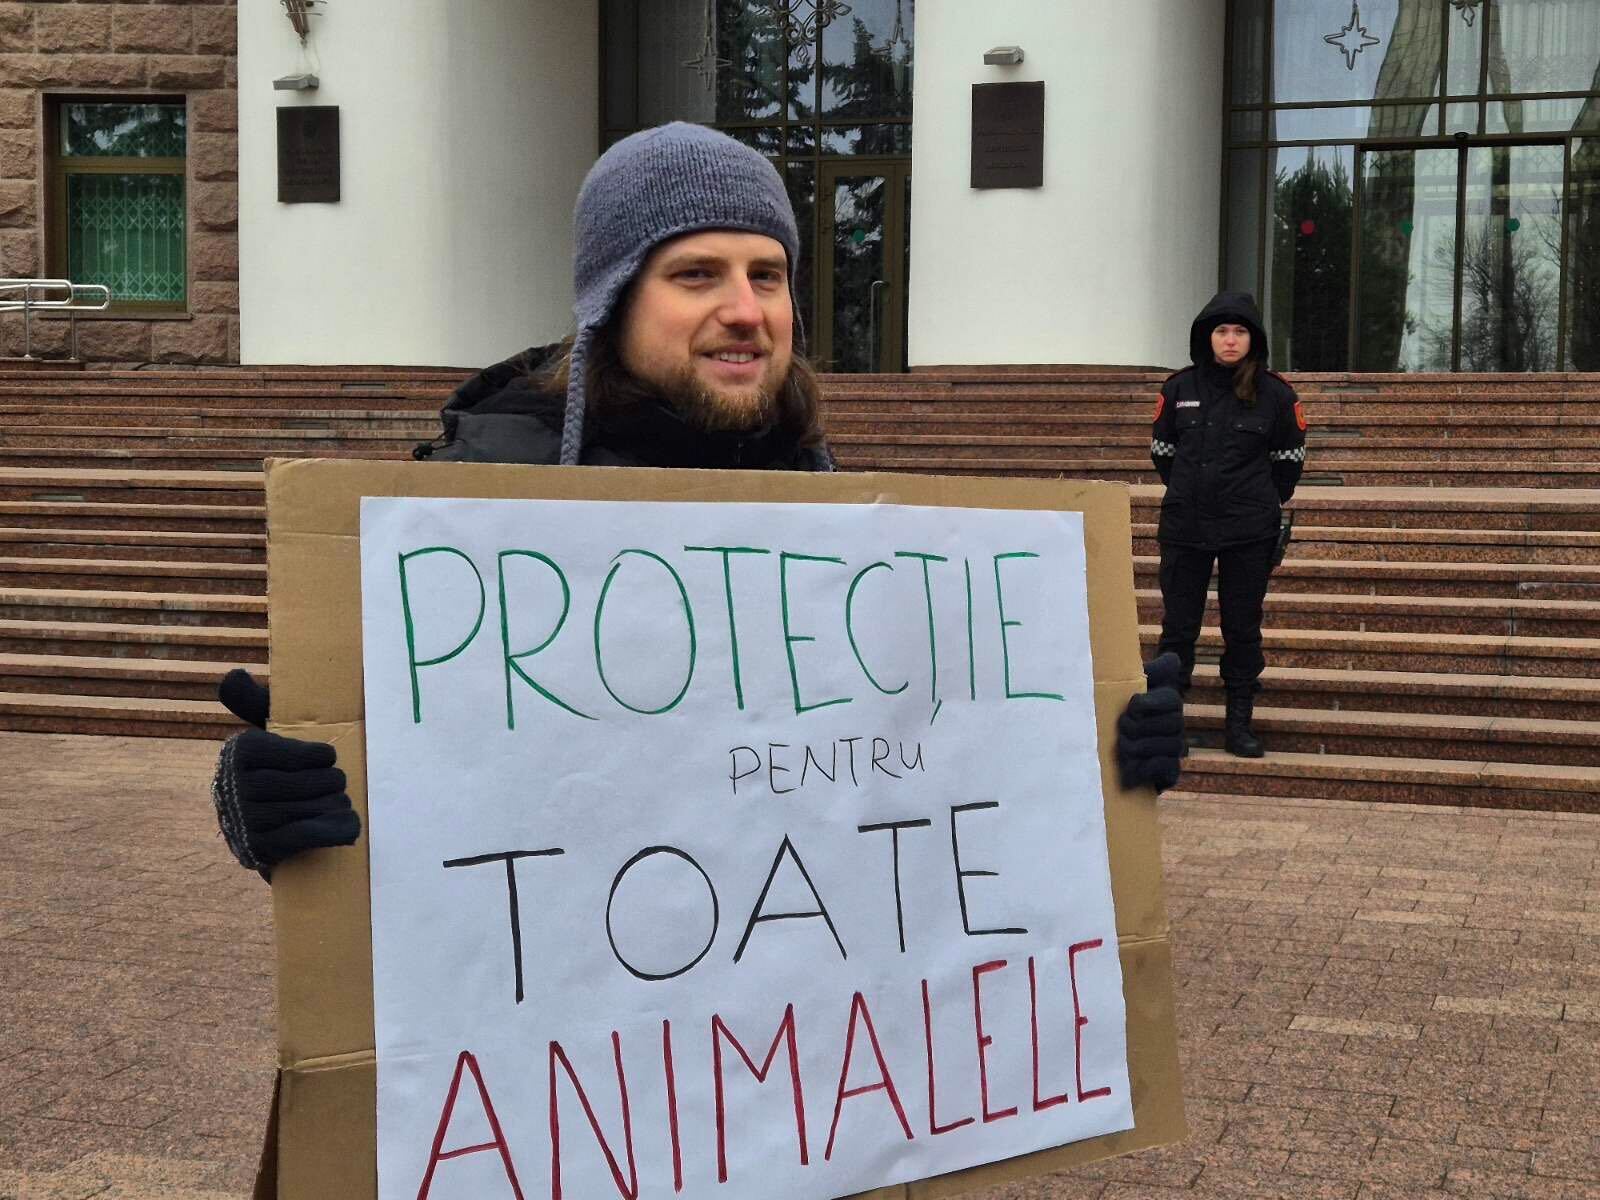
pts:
[1376, 1003]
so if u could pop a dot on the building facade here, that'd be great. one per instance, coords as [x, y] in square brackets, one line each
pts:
[1408, 185]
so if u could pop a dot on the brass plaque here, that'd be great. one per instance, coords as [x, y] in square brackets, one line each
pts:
[308, 154]
[1007, 135]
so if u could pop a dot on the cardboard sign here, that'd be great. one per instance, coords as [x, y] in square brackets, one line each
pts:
[705, 992]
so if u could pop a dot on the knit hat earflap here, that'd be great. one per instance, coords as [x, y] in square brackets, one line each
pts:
[649, 187]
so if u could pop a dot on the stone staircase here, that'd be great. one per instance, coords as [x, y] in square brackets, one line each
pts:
[1434, 634]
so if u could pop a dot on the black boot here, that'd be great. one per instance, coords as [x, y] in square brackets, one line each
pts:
[1238, 738]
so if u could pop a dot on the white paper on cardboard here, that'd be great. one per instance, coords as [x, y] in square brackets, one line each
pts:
[731, 849]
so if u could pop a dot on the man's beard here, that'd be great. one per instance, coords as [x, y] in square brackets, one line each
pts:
[712, 410]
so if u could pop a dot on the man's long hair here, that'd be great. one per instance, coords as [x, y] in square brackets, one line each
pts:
[612, 390]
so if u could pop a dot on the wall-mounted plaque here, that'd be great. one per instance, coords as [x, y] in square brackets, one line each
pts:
[308, 154]
[1007, 135]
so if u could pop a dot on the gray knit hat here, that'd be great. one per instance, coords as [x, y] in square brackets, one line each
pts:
[651, 186]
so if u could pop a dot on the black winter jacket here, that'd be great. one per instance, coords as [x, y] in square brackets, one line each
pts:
[1228, 466]
[501, 415]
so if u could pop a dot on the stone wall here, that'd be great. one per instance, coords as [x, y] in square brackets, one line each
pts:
[59, 47]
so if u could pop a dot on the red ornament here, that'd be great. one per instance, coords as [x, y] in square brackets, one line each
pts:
[1307, 227]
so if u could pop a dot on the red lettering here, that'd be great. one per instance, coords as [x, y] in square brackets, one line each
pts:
[927, 1036]
[1033, 1028]
[438, 1154]
[984, 1041]
[1079, 1020]
[628, 1188]
[858, 1007]
[785, 1037]
[672, 1105]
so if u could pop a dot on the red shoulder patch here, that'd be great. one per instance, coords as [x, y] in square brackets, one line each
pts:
[1300, 415]
[1161, 406]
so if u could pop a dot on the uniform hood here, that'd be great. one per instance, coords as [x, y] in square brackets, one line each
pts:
[1227, 308]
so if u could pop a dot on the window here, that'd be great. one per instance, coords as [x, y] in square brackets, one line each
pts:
[117, 209]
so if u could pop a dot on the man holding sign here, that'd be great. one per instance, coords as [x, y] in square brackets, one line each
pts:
[684, 356]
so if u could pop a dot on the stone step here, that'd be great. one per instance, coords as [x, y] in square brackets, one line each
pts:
[133, 544]
[167, 459]
[85, 675]
[153, 518]
[1365, 577]
[234, 579]
[1479, 737]
[258, 442]
[1365, 690]
[131, 487]
[1532, 508]
[1131, 418]
[1562, 658]
[104, 639]
[1574, 547]
[116, 716]
[87, 417]
[1411, 614]
[1365, 473]
[56, 605]
[1394, 780]
[913, 440]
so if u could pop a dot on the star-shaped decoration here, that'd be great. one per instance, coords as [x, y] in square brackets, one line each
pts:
[1467, 8]
[706, 64]
[1352, 39]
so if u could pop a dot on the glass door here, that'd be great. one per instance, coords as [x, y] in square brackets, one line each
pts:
[863, 226]
[1459, 258]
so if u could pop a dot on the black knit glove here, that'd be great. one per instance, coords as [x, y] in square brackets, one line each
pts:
[275, 796]
[1150, 731]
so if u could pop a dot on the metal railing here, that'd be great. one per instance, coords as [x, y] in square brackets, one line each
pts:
[28, 296]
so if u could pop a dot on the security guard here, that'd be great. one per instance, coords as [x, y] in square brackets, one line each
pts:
[1229, 442]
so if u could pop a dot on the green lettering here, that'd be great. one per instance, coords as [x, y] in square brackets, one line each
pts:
[511, 660]
[849, 629]
[1005, 648]
[688, 616]
[933, 641]
[411, 631]
[790, 639]
[727, 553]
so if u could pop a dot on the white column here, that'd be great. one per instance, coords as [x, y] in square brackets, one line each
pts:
[1109, 261]
[465, 130]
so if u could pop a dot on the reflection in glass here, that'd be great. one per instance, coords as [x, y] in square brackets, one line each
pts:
[1511, 259]
[867, 61]
[1406, 294]
[1533, 116]
[1583, 262]
[1249, 51]
[866, 139]
[672, 32]
[1462, 118]
[1464, 73]
[1308, 289]
[123, 130]
[1244, 218]
[1351, 123]
[768, 139]
[1403, 63]
[801, 181]
[1542, 45]
[858, 263]
[750, 44]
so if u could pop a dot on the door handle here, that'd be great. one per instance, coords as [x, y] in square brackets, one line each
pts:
[875, 351]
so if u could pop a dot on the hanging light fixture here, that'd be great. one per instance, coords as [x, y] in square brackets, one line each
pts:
[300, 13]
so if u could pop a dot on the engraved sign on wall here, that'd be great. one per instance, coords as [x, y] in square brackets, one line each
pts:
[1007, 135]
[308, 154]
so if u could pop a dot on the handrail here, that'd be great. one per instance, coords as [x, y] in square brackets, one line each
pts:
[67, 303]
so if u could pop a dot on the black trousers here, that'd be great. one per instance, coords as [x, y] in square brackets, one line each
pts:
[1242, 573]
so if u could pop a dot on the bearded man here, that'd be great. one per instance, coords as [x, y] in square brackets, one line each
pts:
[684, 355]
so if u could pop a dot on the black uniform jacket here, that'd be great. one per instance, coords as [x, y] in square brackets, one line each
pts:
[501, 415]
[1228, 465]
